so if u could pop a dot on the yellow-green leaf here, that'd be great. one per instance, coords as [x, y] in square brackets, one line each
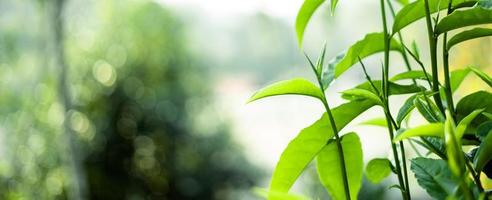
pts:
[371, 44]
[433, 129]
[377, 169]
[297, 86]
[330, 171]
[463, 18]
[304, 15]
[468, 35]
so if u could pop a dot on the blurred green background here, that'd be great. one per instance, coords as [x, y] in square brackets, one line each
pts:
[141, 99]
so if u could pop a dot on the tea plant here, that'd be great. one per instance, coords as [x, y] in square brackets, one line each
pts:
[446, 171]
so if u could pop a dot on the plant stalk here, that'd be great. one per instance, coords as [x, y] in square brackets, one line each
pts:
[433, 53]
[445, 60]
[405, 193]
[335, 131]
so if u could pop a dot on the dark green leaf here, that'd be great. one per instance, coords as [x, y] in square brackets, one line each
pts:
[426, 110]
[371, 44]
[432, 130]
[483, 130]
[407, 107]
[484, 153]
[303, 16]
[301, 151]
[463, 18]
[468, 35]
[434, 176]
[472, 102]
[330, 171]
[486, 78]
[463, 125]
[297, 86]
[378, 169]
[415, 11]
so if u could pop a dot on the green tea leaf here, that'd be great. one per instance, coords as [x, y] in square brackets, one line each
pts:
[486, 78]
[434, 176]
[457, 77]
[328, 73]
[484, 153]
[304, 15]
[472, 102]
[297, 86]
[356, 93]
[407, 107]
[330, 171]
[433, 130]
[376, 122]
[301, 150]
[371, 44]
[403, 2]
[273, 195]
[378, 169]
[468, 35]
[410, 75]
[426, 110]
[463, 125]
[333, 6]
[483, 130]
[416, 10]
[453, 147]
[463, 18]
[394, 88]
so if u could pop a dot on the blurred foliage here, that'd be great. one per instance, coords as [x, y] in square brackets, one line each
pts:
[137, 100]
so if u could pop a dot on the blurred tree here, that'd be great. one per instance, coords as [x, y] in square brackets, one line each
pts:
[141, 110]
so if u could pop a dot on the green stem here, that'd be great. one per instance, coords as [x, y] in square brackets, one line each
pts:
[433, 53]
[445, 59]
[335, 131]
[387, 112]
[475, 175]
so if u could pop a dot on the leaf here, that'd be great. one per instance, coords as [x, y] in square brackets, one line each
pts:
[304, 15]
[328, 74]
[483, 130]
[361, 94]
[484, 153]
[333, 6]
[416, 10]
[378, 169]
[486, 78]
[376, 122]
[468, 35]
[273, 195]
[472, 102]
[434, 176]
[330, 171]
[301, 150]
[426, 110]
[297, 86]
[410, 75]
[462, 18]
[453, 147]
[457, 77]
[407, 107]
[433, 130]
[371, 44]
[394, 88]
[461, 128]
[402, 2]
